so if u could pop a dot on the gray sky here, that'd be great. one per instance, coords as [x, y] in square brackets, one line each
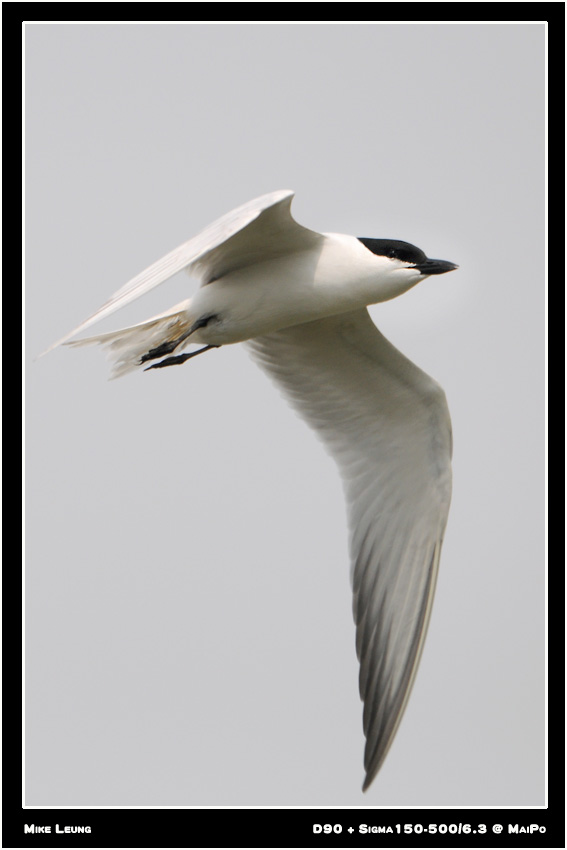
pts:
[189, 630]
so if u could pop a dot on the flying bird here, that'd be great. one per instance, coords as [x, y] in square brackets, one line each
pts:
[298, 300]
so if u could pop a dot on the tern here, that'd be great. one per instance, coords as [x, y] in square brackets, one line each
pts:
[298, 299]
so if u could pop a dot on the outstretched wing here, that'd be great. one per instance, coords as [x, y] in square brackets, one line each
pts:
[258, 230]
[387, 425]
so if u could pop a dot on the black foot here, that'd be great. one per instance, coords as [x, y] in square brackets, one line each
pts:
[179, 358]
[168, 347]
[164, 348]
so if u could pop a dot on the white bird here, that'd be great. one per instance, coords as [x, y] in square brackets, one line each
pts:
[298, 299]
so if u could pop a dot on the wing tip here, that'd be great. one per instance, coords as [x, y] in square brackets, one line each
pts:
[373, 772]
[65, 340]
[53, 346]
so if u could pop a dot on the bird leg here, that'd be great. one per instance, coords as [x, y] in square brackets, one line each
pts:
[171, 345]
[160, 350]
[179, 358]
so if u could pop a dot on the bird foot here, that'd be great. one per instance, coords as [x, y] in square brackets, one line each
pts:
[160, 350]
[178, 359]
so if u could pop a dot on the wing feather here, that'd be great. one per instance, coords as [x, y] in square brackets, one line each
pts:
[258, 230]
[387, 425]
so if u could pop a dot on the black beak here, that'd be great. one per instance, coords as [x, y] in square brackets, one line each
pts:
[436, 266]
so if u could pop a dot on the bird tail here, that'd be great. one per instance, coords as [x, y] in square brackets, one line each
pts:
[128, 348]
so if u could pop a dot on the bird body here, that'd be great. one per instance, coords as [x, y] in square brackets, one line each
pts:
[298, 300]
[294, 289]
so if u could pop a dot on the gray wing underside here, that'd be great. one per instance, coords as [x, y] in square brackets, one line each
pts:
[387, 425]
[259, 230]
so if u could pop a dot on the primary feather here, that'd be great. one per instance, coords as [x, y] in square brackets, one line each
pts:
[387, 425]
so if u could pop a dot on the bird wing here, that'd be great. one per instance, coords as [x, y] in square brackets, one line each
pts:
[258, 230]
[387, 425]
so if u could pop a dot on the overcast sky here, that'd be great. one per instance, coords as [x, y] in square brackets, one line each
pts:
[189, 629]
